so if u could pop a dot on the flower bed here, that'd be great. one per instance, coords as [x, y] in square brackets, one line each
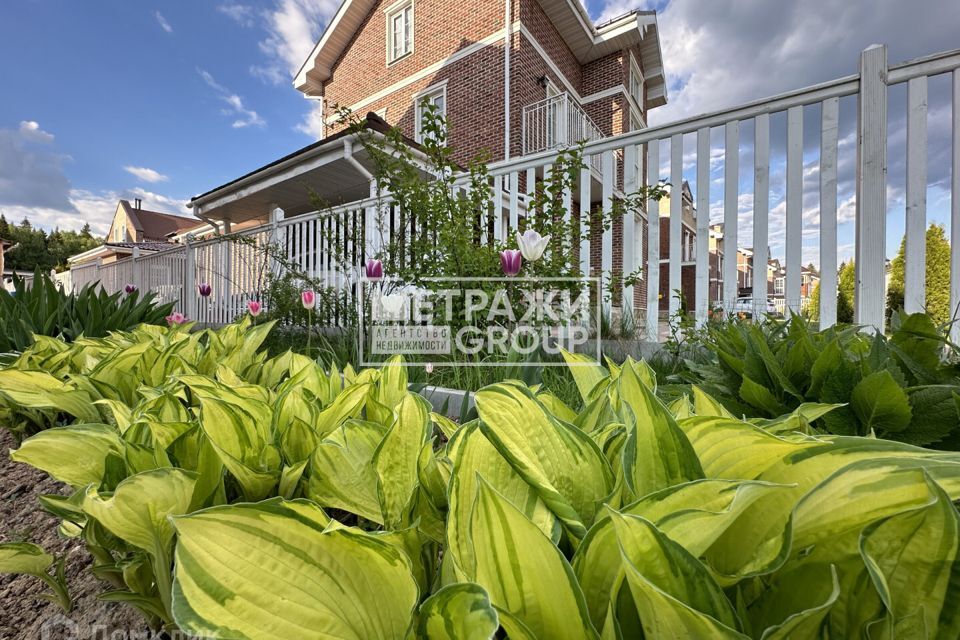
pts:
[231, 495]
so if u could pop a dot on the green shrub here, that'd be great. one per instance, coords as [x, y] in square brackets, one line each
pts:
[899, 387]
[231, 495]
[43, 309]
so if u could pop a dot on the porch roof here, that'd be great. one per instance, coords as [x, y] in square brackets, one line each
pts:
[327, 168]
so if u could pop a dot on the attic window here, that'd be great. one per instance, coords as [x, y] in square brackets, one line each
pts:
[399, 30]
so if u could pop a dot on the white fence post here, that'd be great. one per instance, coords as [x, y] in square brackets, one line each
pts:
[955, 214]
[871, 232]
[135, 277]
[189, 301]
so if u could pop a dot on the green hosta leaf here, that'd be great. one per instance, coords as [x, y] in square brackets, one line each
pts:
[458, 612]
[24, 557]
[800, 420]
[760, 397]
[545, 603]
[674, 593]
[586, 372]
[657, 453]
[560, 461]
[342, 473]
[347, 584]
[475, 459]
[912, 558]
[880, 403]
[397, 456]
[799, 608]
[75, 455]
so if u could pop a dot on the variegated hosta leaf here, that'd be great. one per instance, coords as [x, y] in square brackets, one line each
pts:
[138, 509]
[695, 515]
[347, 405]
[673, 592]
[240, 429]
[40, 390]
[76, 455]
[458, 612]
[560, 461]
[541, 603]
[586, 372]
[288, 577]
[342, 474]
[397, 456]
[912, 559]
[657, 453]
[475, 458]
[705, 405]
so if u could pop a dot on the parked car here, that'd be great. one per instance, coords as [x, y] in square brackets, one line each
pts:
[748, 306]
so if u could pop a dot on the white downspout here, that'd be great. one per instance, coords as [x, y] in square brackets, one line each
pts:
[507, 45]
[348, 155]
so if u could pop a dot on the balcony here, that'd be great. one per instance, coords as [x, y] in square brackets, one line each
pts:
[556, 123]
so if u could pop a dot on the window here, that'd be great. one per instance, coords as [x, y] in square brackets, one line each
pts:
[779, 285]
[399, 30]
[435, 96]
[636, 82]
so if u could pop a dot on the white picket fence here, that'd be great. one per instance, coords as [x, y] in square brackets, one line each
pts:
[237, 271]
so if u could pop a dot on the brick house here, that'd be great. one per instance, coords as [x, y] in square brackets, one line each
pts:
[511, 78]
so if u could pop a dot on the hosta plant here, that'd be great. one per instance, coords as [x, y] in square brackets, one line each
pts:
[900, 387]
[269, 498]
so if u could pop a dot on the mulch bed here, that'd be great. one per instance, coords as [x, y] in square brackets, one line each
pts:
[22, 613]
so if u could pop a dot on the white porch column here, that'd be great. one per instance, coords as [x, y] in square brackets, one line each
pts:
[189, 294]
[135, 268]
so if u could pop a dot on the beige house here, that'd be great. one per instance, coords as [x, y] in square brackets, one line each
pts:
[136, 229]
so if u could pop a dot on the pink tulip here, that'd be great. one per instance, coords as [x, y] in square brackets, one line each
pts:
[254, 308]
[374, 269]
[309, 299]
[510, 260]
[176, 318]
[204, 289]
[130, 288]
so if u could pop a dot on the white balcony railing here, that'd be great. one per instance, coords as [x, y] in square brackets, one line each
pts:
[557, 122]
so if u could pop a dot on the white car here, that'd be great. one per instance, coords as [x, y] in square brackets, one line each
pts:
[748, 306]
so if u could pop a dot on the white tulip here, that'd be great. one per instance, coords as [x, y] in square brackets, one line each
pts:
[532, 245]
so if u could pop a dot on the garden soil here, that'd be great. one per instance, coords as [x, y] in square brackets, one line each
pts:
[23, 614]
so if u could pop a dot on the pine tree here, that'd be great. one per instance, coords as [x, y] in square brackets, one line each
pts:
[937, 276]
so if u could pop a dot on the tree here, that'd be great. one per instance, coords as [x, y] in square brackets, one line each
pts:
[937, 276]
[846, 281]
[37, 249]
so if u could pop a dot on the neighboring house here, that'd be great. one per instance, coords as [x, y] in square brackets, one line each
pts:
[688, 249]
[4, 245]
[135, 229]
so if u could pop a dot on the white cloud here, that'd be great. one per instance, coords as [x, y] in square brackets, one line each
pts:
[30, 130]
[293, 28]
[31, 176]
[146, 175]
[242, 14]
[163, 22]
[243, 117]
[312, 124]
[718, 54]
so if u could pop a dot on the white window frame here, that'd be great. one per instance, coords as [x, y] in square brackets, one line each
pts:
[779, 285]
[392, 12]
[439, 89]
[636, 74]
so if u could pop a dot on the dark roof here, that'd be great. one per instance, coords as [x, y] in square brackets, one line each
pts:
[146, 246]
[154, 224]
[372, 121]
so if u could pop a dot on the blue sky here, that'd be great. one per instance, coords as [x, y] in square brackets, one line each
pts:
[164, 99]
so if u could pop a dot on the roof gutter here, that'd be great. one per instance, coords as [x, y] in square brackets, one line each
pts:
[348, 155]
